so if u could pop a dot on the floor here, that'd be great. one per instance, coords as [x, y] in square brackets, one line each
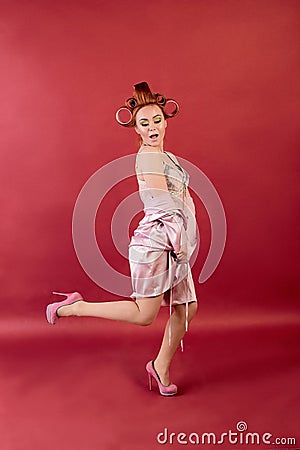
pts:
[82, 384]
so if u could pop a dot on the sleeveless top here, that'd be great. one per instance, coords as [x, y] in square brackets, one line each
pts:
[177, 177]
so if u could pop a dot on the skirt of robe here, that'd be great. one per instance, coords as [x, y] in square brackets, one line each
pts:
[154, 268]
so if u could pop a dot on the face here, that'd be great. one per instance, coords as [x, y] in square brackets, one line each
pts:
[151, 125]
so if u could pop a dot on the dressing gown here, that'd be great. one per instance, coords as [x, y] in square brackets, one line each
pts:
[168, 227]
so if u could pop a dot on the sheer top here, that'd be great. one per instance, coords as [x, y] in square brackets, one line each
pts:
[164, 163]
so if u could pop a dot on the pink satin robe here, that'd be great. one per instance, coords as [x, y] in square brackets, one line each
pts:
[169, 225]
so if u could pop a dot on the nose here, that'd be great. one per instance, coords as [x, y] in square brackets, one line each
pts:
[152, 126]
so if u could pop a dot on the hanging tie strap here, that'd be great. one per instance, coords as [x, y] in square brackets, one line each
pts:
[170, 331]
[171, 295]
[186, 322]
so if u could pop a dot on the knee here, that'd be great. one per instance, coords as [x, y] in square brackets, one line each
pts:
[192, 310]
[148, 308]
[180, 311]
[145, 321]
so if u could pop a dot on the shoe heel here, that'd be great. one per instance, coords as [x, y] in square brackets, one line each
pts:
[170, 389]
[60, 293]
[150, 381]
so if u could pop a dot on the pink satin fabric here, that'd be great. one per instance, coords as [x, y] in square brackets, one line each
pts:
[169, 226]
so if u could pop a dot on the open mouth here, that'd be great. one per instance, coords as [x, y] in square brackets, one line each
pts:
[153, 136]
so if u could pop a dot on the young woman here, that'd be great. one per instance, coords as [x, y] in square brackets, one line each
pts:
[162, 244]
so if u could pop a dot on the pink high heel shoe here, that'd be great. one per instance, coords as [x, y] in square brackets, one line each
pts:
[51, 311]
[169, 390]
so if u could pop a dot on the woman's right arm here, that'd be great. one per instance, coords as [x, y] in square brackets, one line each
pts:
[150, 166]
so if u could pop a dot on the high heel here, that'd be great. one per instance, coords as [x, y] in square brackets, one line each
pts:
[51, 311]
[167, 391]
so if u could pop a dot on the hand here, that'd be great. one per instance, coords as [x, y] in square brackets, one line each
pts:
[181, 255]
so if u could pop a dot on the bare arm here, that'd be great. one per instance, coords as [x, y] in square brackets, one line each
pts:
[150, 167]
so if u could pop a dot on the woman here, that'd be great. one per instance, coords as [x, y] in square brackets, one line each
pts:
[160, 249]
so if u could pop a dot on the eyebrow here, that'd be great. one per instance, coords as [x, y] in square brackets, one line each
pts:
[157, 115]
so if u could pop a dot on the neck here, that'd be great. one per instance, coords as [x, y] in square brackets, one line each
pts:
[159, 147]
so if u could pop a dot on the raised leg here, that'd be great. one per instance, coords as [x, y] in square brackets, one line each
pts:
[140, 312]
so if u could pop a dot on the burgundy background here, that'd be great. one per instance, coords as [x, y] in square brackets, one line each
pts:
[66, 67]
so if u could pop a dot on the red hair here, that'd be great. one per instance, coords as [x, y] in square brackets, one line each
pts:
[143, 96]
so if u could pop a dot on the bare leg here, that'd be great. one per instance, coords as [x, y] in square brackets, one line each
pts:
[140, 312]
[166, 352]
